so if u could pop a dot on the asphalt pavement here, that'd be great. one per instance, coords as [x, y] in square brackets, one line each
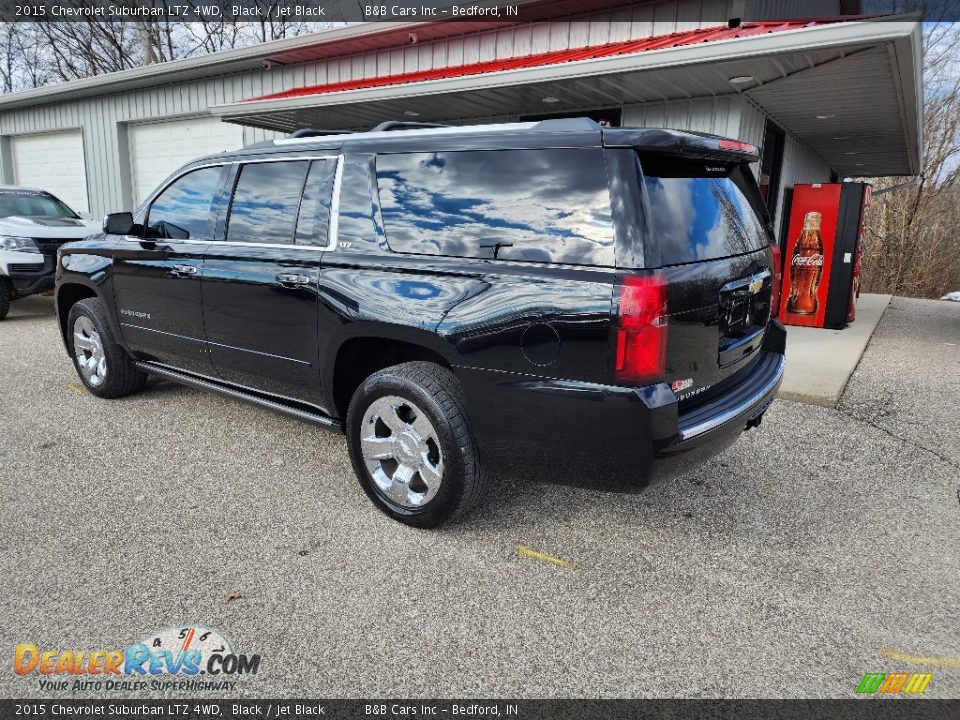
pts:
[821, 546]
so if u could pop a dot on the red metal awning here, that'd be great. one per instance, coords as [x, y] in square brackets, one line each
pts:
[659, 42]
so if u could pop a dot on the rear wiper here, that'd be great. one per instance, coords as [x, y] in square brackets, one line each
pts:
[496, 247]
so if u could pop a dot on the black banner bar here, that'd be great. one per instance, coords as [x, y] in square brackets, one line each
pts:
[218, 709]
[343, 11]
[333, 11]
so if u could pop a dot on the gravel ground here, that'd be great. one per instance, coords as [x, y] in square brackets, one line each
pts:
[805, 556]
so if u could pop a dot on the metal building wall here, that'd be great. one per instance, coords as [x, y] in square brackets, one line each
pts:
[104, 120]
[719, 115]
[800, 164]
[779, 9]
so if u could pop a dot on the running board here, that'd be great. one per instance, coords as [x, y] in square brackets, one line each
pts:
[278, 406]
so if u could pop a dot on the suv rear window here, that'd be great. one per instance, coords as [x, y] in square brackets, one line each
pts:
[703, 209]
[534, 205]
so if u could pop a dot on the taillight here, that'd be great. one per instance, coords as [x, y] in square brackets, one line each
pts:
[738, 146]
[775, 290]
[641, 351]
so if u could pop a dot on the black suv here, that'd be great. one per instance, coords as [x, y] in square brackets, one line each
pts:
[569, 298]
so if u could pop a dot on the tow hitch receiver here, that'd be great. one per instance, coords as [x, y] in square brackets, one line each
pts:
[757, 418]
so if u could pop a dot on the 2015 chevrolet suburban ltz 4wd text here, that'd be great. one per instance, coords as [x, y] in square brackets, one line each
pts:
[578, 299]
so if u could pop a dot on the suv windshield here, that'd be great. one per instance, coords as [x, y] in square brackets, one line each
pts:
[33, 204]
[703, 209]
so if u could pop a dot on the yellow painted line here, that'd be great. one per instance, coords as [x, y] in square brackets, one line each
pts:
[537, 555]
[78, 389]
[920, 659]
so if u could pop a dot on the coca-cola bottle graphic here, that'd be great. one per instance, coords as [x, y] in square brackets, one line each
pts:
[806, 268]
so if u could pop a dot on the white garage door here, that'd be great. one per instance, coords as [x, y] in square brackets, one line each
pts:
[157, 149]
[54, 162]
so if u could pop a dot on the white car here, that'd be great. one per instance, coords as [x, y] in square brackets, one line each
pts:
[33, 226]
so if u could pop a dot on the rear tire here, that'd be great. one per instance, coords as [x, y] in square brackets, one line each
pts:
[412, 446]
[6, 295]
[103, 366]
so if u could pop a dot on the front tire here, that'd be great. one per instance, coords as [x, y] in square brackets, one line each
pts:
[411, 444]
[103, 366]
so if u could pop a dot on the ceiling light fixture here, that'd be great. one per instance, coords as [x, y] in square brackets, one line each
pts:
[411, 113]
[550, 99]
[825, 117]
[740, 79]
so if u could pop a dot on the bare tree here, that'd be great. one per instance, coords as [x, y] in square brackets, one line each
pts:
[88, 47]
[910, 245]
[33, 54]
[23, 58]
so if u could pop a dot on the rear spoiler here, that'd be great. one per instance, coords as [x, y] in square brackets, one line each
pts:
[682, 142]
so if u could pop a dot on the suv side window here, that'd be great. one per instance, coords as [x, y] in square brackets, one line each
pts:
[535, 205]
[182, 210]
[266, 199]
[359, 226]
[313, 226]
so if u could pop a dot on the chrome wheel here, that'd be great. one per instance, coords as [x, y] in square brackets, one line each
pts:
[401, 450]
[88, 350]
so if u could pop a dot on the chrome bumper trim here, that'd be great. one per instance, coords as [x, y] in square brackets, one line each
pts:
[733, 413]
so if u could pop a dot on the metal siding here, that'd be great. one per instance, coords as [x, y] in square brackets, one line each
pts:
[800, 165]
[786, 9]
[641, 22]
[752, 122]
[718, 115]
[598, 33]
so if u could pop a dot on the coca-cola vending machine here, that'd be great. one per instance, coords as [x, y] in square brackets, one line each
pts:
[821, 277]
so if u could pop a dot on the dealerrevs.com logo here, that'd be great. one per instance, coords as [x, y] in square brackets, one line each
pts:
[184, 658]
[894, 683]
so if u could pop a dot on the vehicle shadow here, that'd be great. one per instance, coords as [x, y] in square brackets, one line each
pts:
[30, 308]
[19, 317]
[515, 494]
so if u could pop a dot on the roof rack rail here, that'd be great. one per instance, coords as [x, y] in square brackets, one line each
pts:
[562, 124]
[401, 125]
[314, 132]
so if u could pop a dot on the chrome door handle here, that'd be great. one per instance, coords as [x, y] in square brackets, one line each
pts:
[180, 270]
[292, 279]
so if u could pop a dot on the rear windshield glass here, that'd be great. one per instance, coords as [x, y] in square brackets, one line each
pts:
[33, 205]
[703, 209]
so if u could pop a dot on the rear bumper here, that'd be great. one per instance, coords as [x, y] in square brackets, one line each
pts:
[609, 436]
[711, 428]
[742, 404]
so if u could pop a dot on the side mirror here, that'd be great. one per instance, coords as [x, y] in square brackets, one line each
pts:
[118, 223]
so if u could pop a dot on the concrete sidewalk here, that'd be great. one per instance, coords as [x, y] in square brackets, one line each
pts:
[820, 362]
